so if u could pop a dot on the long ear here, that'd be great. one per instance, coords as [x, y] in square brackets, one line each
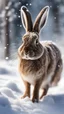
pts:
[26, 19]
[41, 19]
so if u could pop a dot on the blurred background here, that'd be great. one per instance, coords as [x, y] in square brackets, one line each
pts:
[11, 29]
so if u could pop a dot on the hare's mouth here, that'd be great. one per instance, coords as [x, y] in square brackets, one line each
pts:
[31, 57]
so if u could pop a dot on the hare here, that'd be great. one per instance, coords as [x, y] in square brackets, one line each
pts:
[40, 63]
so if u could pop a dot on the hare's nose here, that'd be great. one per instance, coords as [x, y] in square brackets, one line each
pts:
[25, 53]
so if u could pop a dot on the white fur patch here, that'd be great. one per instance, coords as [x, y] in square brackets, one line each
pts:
[31, 78]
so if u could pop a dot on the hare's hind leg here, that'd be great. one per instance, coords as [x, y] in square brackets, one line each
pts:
[44, 92]
[27, 90]
[57, 74]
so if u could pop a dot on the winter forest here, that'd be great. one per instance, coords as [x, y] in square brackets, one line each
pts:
[11, 29]
[11, 32]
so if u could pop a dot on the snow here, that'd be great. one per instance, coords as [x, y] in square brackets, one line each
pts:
[12, 88]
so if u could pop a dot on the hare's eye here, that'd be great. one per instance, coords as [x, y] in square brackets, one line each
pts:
[37, 42]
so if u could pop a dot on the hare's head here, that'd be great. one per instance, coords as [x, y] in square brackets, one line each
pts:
[31, 48]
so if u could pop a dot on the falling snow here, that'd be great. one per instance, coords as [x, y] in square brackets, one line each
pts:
[7, 58]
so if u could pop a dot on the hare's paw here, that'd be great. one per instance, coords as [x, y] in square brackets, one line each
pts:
[25, 95]
[35, 100]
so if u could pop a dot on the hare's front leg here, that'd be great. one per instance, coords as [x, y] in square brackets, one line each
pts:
[35, 97]
[27, 89]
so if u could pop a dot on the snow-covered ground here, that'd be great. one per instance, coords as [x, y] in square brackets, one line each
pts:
[11, 89]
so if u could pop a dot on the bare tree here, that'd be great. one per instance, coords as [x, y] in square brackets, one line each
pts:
[4, 7]
[7, 38]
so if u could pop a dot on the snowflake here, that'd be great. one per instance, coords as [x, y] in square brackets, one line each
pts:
[5, 47]
[6, 8]
[30, 4]
[27, 4]
[7, 58]
[19, 16]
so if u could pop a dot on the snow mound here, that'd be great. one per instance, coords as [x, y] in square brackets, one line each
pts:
[4, 71]
[3, 100]
[8, 92]
[13, 86]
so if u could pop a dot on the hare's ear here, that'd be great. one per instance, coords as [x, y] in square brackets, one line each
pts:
[41, 19]
[26, 19]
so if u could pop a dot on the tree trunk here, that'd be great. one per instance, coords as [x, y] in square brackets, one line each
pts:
[7, 39]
